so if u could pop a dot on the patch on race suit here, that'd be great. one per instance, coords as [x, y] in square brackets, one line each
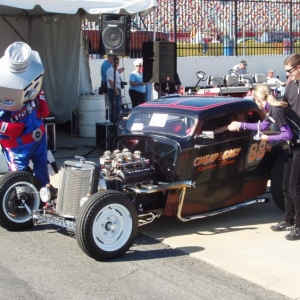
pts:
[3, 127]
[37, 134]
[26, 110]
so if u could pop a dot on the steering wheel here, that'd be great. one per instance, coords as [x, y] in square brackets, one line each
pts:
[233, 72]
[202, 76]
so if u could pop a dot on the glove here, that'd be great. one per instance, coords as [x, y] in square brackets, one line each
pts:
[43, 110]
[12, 130]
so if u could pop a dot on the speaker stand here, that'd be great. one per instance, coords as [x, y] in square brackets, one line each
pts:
[159, 91]
[114, 117]
[114, 108]
[93, 149]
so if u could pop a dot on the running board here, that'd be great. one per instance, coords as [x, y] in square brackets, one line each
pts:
[220, 211]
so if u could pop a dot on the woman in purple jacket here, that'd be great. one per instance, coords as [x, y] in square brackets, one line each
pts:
[288, 122]
[277, 112]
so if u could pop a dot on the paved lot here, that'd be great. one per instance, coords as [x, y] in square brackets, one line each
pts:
[239, 242]
[46, 263]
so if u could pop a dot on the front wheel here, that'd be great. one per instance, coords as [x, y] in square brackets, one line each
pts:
[19, 194]
[106, 225]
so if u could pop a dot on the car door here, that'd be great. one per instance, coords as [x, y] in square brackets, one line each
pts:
[225, 170]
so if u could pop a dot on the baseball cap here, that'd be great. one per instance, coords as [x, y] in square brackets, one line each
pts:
[244, 63]
[271, 70]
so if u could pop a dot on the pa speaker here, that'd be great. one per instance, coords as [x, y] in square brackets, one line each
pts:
[104, 135]
[159, 62]
[115, 34]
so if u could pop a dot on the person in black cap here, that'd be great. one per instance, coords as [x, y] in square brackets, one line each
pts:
[241, 68]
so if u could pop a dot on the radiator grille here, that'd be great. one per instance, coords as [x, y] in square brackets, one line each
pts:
[75, 183]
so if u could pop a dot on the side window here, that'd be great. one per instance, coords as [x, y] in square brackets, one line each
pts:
[218, 125]
[253, 117]
[213, 124]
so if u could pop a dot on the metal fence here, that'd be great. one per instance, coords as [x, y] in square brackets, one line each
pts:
[218, 28]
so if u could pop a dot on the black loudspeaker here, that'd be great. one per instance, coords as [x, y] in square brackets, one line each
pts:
[104, 135]
[159, 62]
[148, 59]
[115, 34]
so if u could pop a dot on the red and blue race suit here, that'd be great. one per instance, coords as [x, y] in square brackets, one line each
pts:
[23, 138]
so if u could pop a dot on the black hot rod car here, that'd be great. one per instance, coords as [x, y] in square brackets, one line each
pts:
[171, 159]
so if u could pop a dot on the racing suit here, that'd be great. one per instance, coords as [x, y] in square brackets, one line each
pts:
[23, 138]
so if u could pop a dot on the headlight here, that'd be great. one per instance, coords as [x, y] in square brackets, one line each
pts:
[48, 193]
[45, 194]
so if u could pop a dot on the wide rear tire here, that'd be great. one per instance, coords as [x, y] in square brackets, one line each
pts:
[13, 213]
[276, 181]
[106, 225]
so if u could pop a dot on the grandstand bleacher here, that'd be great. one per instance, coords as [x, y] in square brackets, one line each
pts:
[237, 19]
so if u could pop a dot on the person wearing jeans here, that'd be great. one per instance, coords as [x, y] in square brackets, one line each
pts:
[114, 90]
[108, 63]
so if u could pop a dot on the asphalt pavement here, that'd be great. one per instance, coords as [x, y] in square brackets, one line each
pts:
[239, 242]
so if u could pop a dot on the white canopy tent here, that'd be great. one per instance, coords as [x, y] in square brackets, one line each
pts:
[54, 29]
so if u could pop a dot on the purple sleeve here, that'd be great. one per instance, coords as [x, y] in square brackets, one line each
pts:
[284, 135]
[253, 126]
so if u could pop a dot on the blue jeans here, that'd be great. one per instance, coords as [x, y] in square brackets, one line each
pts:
[115, 105]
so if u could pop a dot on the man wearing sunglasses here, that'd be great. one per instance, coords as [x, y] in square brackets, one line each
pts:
[114, 81]
[108, 63]
[291, 176]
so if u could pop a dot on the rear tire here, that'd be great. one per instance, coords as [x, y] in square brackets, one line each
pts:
[13, 213]
[276, 181]
[106, 225]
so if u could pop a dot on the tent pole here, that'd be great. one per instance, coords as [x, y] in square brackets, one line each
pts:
[16, 32]
[154, 23]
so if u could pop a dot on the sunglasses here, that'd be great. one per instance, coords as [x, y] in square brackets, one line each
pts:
[139, 66]
[290, 70]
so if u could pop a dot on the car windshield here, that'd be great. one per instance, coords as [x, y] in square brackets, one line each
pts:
[160, 122]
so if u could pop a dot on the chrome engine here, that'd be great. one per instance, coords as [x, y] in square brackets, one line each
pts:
[80, 179]
[123, 168]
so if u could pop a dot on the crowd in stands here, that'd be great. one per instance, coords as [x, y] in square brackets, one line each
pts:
[252, 16]
[207, 21]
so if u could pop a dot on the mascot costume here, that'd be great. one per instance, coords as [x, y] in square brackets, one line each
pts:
[22, 105]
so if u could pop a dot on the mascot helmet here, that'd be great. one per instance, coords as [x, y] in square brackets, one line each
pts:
[21, 76]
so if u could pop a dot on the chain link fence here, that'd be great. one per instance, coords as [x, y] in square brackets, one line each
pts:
[215, 28]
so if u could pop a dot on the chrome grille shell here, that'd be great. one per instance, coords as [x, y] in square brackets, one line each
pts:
[77, 180]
